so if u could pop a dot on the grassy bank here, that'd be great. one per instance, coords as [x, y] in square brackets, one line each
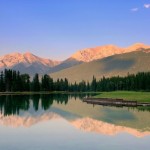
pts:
[126, 95]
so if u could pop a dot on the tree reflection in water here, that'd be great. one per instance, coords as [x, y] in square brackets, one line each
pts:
[12, 104]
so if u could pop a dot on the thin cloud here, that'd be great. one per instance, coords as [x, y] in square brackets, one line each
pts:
[147, 6]
[134, 9]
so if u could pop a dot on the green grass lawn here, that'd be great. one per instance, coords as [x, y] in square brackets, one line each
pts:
[126, 95]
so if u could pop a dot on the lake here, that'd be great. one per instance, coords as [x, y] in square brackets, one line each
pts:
[65, 122]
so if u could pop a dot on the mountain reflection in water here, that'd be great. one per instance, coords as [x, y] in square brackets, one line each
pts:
[26, 111]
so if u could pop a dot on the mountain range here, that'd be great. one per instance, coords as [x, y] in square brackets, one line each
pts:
[100, 61]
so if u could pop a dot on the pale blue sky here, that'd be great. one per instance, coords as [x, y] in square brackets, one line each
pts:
[57, 28]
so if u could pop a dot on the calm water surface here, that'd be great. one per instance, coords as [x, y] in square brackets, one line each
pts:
[64, 122]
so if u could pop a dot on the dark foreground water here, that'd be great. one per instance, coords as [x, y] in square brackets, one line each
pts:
[64, 122]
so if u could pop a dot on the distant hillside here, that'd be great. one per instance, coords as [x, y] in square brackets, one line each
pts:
[121, 64]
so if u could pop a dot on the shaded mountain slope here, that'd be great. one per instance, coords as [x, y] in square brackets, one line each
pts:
[65, 64]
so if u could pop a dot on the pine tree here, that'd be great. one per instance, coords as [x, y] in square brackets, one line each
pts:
[36, 83]
[46, 83]
[8, 79]
[25, 79]
[93, 84]
[66, 84]
[2, 82]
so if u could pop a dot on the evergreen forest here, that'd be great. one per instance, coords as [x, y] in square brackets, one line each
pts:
[13, 81]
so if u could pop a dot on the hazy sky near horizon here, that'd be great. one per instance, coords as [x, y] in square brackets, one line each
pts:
[57, 28]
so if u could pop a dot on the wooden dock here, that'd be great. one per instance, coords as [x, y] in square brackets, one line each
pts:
[114, 102]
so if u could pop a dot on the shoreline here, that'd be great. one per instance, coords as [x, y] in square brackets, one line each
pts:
[126, 95]
[45, 92]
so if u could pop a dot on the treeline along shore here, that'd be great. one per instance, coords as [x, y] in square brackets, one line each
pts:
[13, 81]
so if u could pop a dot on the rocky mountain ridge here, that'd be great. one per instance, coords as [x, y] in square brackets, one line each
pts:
[90, 54]
[27, 58]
